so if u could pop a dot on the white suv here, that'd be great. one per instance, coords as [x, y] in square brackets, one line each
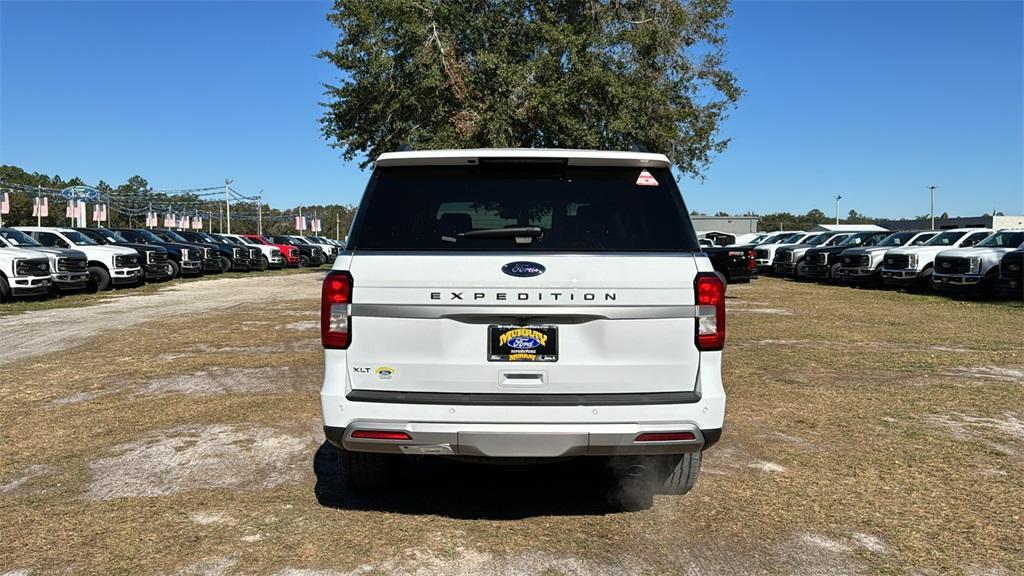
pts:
[108, 265]
[512, 304]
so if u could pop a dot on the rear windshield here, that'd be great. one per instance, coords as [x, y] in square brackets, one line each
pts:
[556, 208]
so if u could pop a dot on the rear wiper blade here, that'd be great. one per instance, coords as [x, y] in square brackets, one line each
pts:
[521, 231]
[522, 234]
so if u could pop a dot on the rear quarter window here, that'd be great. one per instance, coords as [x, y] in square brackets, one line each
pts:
[576, 208]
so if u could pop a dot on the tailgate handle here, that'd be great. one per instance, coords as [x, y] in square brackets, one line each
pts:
[523, 379]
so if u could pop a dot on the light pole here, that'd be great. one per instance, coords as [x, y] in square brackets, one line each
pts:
[259, 208]
[932, 189]
[838, 198]
[227, 202]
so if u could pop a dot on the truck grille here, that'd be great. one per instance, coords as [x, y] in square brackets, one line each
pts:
[207, 253]
[951, 265]
[1012, 265]
[154, 257]
[316, 252]
[275, 253]
[236, 253]
[39, 267]
[126, 261]
[821, 258]
[784, 255]
[897, 261]
[253, 254]
[855, 260]
[72, 264]
[186, 254]
[761, 253]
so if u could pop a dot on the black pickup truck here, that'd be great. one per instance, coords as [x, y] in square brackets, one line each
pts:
[822, 264]
[1011, 274]
[230, 257]
[182, 259]
[152, 257]
[736, 263]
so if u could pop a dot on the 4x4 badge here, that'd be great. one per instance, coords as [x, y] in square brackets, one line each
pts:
[523, 269]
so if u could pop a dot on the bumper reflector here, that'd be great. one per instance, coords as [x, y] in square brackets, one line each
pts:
[665, 436]
[380, 435]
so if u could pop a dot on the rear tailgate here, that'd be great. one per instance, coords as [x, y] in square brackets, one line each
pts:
[422, 323]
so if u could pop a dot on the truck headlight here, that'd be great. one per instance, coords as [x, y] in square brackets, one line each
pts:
[975, 267]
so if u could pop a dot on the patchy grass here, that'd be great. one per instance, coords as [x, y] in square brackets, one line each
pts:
[867, 432]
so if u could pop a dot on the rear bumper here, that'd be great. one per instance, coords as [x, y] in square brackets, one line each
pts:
[519, 440]
[517, 424]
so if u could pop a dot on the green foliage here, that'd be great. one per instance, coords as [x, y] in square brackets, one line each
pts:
[602, 74]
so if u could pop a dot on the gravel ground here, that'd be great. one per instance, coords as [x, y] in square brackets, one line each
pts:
[177, 432]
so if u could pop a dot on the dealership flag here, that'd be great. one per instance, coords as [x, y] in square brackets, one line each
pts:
[5, 203]
[151, 219]
[184, 223]
[197, 223]
[300, 222]
[41, 206]
[168, 220]
[73, 209]
[99, 212]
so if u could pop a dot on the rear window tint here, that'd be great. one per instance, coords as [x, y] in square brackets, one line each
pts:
[576, 208]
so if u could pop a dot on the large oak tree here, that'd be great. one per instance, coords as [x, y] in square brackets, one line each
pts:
[604, 74]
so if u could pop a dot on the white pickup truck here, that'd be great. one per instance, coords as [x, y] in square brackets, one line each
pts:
[107, 265]
[912, 266]
[526, 305]
[974, 270]
[23, 272]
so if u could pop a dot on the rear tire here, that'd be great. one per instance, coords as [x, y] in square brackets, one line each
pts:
[683, 470]
[99, 279]
[365, 471]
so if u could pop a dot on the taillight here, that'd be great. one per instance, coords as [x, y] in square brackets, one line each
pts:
[335, 312]
[710, 291]
[751, 257]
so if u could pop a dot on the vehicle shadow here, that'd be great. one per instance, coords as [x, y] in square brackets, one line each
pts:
[454, 489]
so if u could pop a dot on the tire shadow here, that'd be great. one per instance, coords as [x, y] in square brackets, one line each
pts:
[469, 490]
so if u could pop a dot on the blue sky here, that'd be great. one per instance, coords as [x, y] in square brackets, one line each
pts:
[871, 100]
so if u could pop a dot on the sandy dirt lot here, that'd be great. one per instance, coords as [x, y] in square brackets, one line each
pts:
[178, 432]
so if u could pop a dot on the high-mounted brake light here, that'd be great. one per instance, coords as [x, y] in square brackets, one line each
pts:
[710, 292]
[381, 435]
[335, 310]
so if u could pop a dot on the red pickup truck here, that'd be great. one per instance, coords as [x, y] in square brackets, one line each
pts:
[290, 253]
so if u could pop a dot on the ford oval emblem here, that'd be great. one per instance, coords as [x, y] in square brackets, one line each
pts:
[523, 269]
[523, 343]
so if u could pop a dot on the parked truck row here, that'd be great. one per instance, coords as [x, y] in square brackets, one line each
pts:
[968, 261]
[42, 260]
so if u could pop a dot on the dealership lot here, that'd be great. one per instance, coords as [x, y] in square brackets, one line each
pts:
[177, 431]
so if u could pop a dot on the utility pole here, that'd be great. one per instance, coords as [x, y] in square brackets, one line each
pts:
[300, 220]
[932, 189]
[39, 205]
[838, 198]
[227, 202]
[220, 209]
[259, 209]
[337, 226]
